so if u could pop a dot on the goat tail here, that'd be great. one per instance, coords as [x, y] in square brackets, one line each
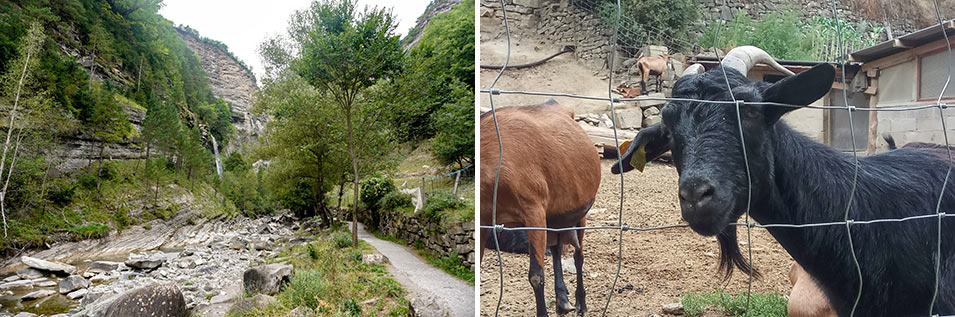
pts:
[731, 257]
[890, 140]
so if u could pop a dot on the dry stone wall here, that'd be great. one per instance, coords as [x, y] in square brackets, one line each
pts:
[560, 23]
[439, 237]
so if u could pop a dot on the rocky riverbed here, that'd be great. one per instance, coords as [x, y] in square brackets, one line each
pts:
[204, 261]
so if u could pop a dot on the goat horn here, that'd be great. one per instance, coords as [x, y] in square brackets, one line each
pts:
[743, 58]
[693, 69]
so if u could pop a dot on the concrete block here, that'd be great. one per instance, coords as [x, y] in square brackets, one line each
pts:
[629, 118]
[905, 124]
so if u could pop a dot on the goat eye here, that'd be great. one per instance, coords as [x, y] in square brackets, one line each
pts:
[751, 114]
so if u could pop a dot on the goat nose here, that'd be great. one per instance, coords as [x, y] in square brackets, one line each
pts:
[697, 192]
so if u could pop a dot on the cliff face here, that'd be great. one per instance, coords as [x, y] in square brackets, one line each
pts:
[231, 82]
[435, 8]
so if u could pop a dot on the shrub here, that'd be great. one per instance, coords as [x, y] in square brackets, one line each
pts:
[395, 200]
[350, 308]
[303, 285]
[439, 201]
[86, 180]
[62, 195]
[342, 239]
[108, 171]
[374, 189]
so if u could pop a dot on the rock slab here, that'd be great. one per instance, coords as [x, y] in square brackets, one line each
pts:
[50, 266]
[72, 283]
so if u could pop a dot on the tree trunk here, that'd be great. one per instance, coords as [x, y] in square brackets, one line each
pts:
[341, 193]
[99, 170]
[354, 164]
[6, 144]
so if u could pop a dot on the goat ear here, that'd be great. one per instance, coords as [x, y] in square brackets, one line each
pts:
[801, 89]
[649, 144]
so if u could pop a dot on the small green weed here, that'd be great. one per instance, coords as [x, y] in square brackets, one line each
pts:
[770, 305]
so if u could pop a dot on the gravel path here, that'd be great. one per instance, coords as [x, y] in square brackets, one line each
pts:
[434, 293]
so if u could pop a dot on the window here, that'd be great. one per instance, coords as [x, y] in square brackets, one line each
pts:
[933, 72]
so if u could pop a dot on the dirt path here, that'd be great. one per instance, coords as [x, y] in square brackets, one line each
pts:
[435, 293]
[658, 266]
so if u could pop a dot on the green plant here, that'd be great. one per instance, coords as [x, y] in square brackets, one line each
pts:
[304, 285]
[451, 264]
[440, 201]
[785, 34]
[350, 307]
[342, 239]
[770, 305]
[313, 251]
[374, 189]
[395, 200]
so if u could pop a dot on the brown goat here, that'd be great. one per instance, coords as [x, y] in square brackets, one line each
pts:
[652, 65]
[549, 177]
[806, 299]
[628, 92]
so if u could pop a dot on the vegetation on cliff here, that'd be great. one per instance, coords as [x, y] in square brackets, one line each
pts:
[83, 70]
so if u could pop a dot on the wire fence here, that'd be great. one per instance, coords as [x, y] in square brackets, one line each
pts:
[847, 222]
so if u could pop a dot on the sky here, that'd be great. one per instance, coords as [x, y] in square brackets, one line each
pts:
[243, 24]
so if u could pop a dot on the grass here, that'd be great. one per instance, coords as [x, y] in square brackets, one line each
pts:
[73, 209]
[770, 305]
[331, 279]
[449, 264]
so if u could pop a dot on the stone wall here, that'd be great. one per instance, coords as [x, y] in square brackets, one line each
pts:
[560, 23]
[439, 237]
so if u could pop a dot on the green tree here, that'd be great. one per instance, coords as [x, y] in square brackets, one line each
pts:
[454, 123]
[344, 53]
[13, 82]
[305, 142]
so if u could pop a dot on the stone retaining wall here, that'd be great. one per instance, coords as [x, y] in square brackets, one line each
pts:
[560, 23]
[439, 237]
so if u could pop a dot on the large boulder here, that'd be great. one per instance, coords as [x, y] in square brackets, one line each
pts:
[72, 283]
[266, 279]
[50, 266]
[152, 300]
[146, 261]
[243, 306]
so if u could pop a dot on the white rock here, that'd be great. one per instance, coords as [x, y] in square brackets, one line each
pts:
[45, 265]
[77, 294]
[38, 294]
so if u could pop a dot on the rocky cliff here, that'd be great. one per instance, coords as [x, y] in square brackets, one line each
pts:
[434, 9]
[232, 82]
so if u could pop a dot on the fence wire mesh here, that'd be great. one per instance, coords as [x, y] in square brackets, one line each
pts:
[624, 34]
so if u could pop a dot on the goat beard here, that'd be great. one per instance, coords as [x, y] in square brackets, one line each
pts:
[730, 255]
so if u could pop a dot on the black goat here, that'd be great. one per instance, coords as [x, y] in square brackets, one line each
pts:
[891, 141]
[798, 181]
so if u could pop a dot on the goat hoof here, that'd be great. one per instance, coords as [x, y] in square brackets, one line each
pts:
[581, 311]
[563, 308]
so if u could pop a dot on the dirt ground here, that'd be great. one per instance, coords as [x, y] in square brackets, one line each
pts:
[660, 265]
[563, 74]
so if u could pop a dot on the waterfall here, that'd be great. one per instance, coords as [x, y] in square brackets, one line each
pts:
[215, 150]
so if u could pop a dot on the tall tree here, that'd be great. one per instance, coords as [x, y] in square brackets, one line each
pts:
[344, 53]
[13, 82]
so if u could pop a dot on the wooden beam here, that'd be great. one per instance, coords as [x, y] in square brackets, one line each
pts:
[899, 43]
[873, 120]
